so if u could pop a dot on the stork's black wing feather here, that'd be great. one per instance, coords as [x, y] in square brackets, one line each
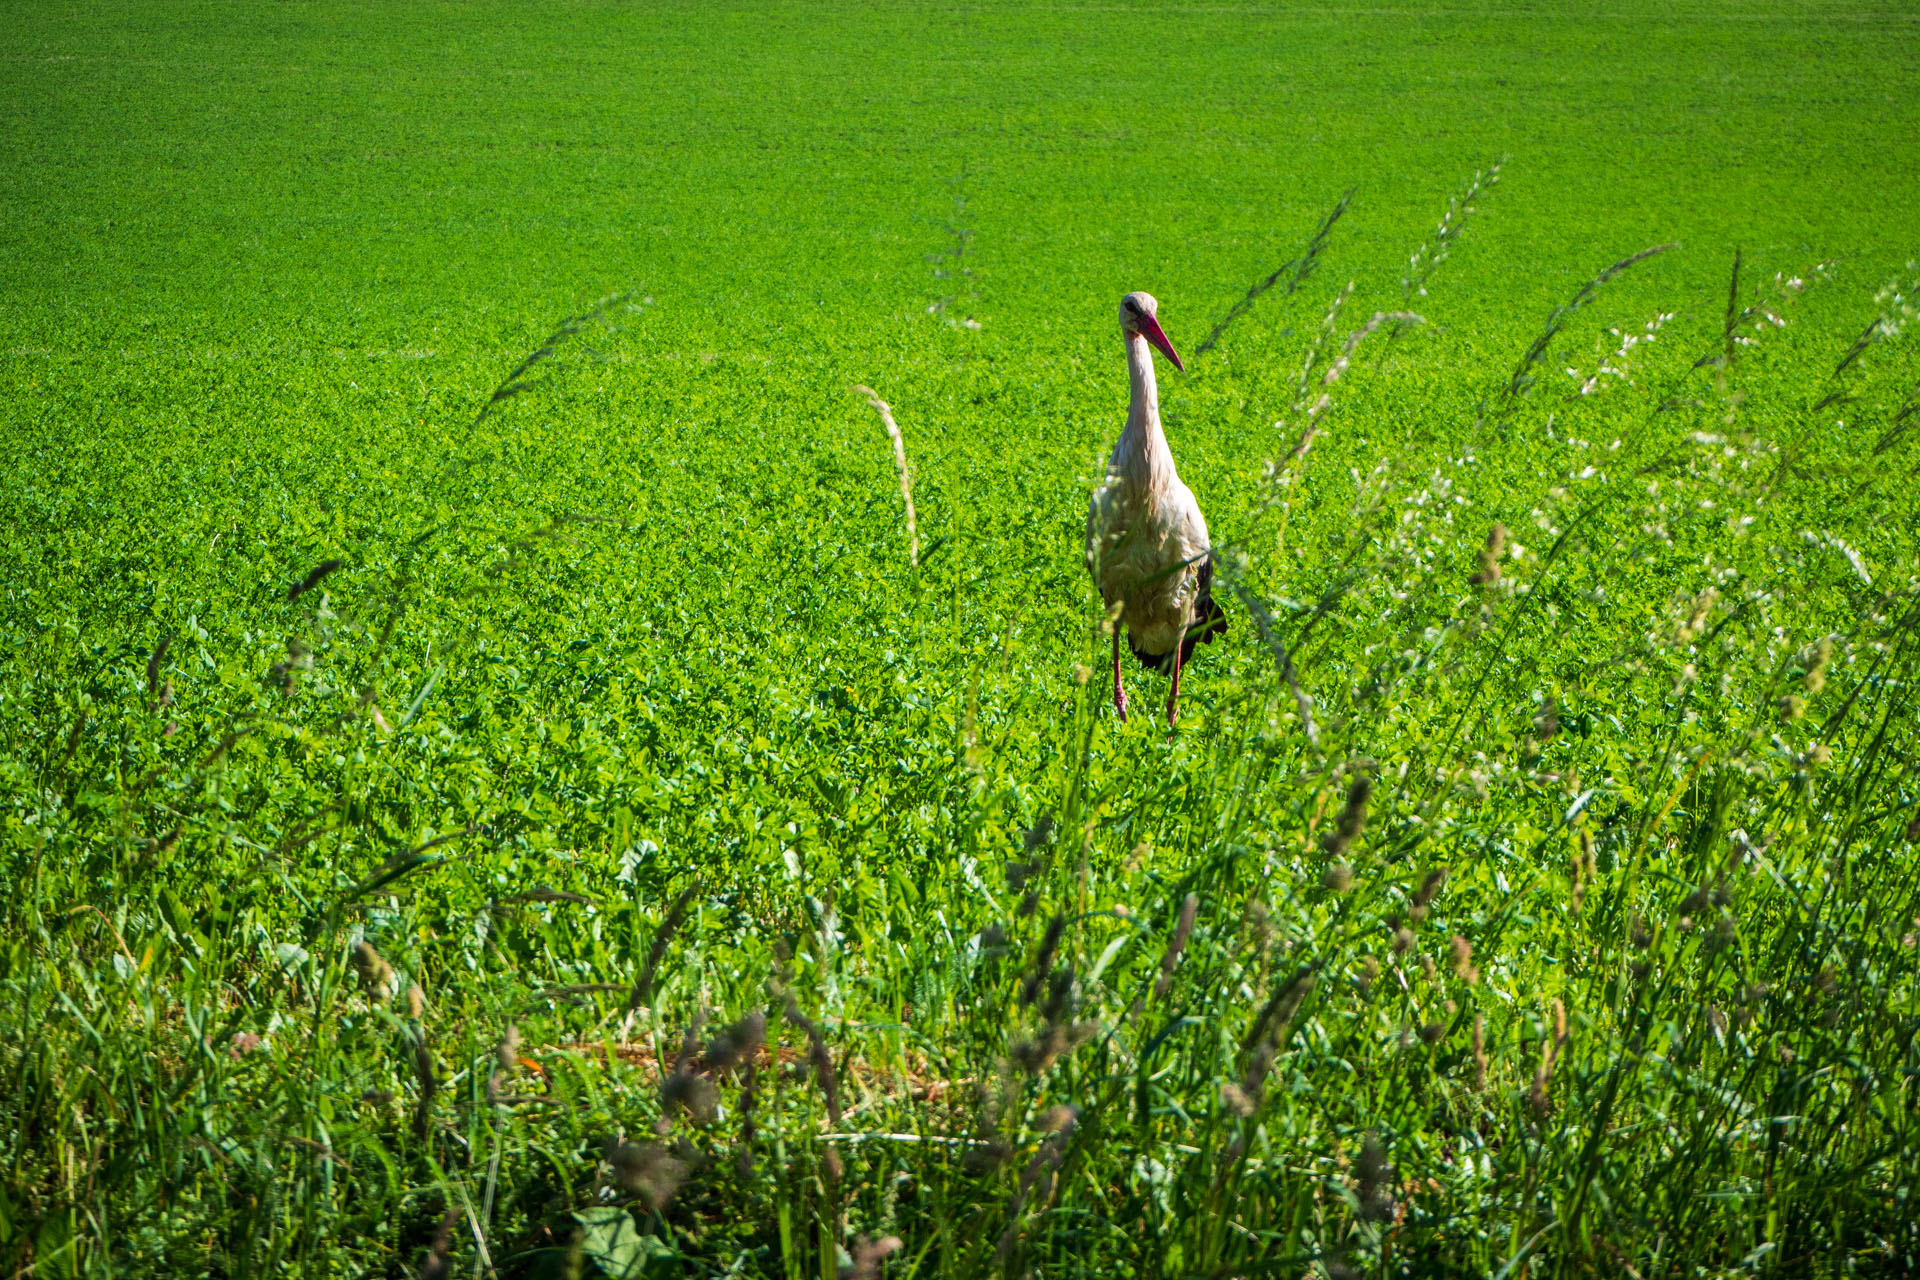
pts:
[1208, 621]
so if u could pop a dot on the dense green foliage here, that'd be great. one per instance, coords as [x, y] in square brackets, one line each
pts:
[421, 788]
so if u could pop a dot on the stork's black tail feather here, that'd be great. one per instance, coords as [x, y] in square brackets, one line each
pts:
[1208, 622]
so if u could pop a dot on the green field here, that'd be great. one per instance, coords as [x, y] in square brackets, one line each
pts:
[1528, 902]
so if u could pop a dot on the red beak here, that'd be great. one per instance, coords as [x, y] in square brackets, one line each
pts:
[1150, 330]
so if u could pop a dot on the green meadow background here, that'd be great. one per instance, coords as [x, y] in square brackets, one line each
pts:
[623, 716]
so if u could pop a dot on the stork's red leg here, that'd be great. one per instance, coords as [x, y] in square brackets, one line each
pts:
[1173, 695]
[1119, 691]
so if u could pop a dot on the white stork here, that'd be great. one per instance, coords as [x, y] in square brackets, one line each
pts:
[1147, 545]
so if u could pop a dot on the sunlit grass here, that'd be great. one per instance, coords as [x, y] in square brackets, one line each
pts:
[602, 810]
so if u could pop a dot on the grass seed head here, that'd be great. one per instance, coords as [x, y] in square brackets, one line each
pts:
[506, 1054]
[869, 1256]
[1260, 925]
[1182, 931]
[416, 1001]
[1353, 818]
[437, 1265]
[692, 1095]
[376, 975]
[1429, 887]
[818, 1060]
[737, 1043]
[1637, 932]
[648, 1172]
[1376, 1181]
[1042, 966]
[1496, 546]
[1463, 966]
[1337, 878]
[1369, 974]
[1816, 677]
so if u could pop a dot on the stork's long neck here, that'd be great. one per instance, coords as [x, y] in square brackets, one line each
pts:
[1142, 456]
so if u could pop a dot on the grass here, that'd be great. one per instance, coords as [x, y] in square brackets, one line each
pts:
[468, 812]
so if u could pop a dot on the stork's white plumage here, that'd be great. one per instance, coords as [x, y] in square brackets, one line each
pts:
[1147, 544]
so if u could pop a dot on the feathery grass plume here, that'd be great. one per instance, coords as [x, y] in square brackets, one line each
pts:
[506, 1058]
[1353, 818]
[869, 1257]
[1376, 1180]
[1546, 725]
[1269, 634]
[1480, 1063]
[1042, 965]
[1429, 887]
[1463, 965]
[1689, 631]
[676, 916]
[506, 1054]
[900, 464]
[1523, 377]
[285, 673]
[1260, 926]
[1182, 930]
[1059, 994]
[1429, 968]
[1816, 677]
[517, 382]
[737, 1043]
[313, 579]
[1792, 707]
[1295, 271]
[819, 1059]
[1055, 1039]
[1311, 407]
[1538, 1097]
[647, 1171]
[1432, 1032]
[950, 264]
[376, 975]
[1337, 878]
[1438, 246]
[437, 1266]
[1279, 1010]
[416, 1001]
[691, 1094]
[1036, 1179]
[1897, 309]
[1019, 873]
[1236, 1100]
[1369, 974]
[1585, 869]
[1496, 546]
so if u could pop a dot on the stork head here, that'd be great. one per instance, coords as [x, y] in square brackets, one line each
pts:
[1137, 317]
